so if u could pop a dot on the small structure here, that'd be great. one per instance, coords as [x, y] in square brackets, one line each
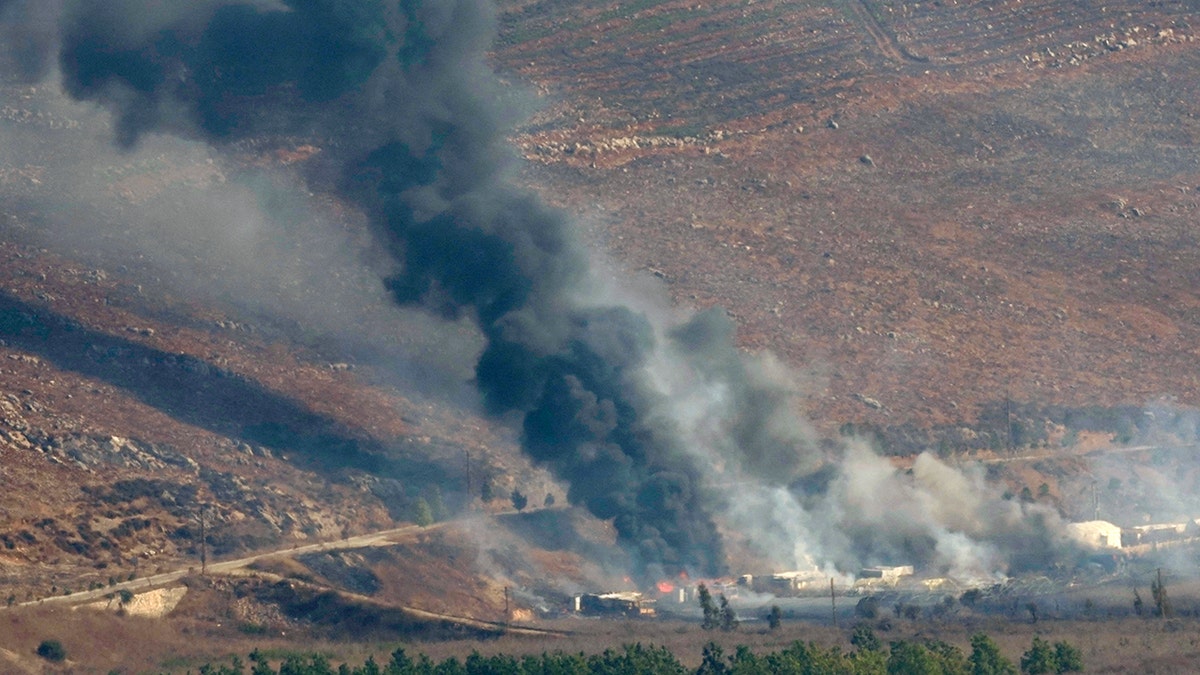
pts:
[627, 603]
[939, 584]
[788, 583]
[1095, 534]
[885, 574]
[1154, 533]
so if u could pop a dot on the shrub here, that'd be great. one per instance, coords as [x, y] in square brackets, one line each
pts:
[864, 638]
[421, 513]
[1070, 660]
[1039, 659]
[51, 650]
[774, 617]
[867, 608]
[986, 658]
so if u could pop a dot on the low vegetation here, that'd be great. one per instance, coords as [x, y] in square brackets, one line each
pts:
[51, 650]
[902, 657]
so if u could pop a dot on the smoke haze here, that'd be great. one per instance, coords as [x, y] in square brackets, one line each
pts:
[657, 423]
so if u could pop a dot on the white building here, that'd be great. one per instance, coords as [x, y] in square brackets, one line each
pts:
[1095, 534]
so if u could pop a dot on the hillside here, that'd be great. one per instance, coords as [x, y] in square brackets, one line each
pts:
[964, 226]
[933, 206]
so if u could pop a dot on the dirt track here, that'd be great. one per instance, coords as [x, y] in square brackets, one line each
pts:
[374, 539]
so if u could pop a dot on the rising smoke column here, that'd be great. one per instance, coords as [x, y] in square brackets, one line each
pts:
[413, 125]
[656, 425]
[28, 29]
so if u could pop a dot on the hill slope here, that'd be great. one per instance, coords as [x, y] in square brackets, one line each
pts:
[945, 216]
[933, 206]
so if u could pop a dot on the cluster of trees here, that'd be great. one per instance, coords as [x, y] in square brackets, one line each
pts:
[869, 658]
[716, 615]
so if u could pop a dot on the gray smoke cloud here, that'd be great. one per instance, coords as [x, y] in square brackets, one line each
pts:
[656, 422]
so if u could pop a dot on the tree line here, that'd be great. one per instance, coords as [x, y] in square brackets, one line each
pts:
[870, 657]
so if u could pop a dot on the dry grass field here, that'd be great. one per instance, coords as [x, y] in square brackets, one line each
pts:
[99, 643]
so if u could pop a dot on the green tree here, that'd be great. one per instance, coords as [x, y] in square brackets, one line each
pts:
[51, 650]
[548, 501]
[934, 658]
[486, 491]
[422, 514]
[1070, 660]
[949, 658]
[437, 505]
[864, 638]
[908, 658]
[986, 658]
[519, 501]
[774, 617]
[1040, 658]
[729, 620]
[708, 608]
[712, 661]
[1162, 604]
[633, 659]
[745, 662]
[868, 663]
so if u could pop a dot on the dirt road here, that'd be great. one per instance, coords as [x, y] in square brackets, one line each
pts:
[374, 539]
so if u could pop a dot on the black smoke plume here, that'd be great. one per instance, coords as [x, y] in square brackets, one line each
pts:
[412, 124]
[655, 424]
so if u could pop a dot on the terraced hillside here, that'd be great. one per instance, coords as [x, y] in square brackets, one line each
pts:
[930, 207]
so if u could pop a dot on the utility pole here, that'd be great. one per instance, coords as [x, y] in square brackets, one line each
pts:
[506, 613]
[470, 494]
[1008, 418]
[833, 602]
[203, 543]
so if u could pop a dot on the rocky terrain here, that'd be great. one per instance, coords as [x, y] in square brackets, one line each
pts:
[928, 207]
[124, 433]
[965, 226]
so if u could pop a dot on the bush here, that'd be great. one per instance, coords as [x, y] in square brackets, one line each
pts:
[867, 608]
[986, 659]
[1039, 659]
[422, 514]
[774, 617]
[864, 638]
[1069, 658]
[51, 650]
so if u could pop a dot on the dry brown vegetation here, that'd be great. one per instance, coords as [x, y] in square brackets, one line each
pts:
[928, 234]
[927, 209]
[97, 642]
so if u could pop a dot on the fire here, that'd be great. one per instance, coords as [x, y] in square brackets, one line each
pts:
[665, 586]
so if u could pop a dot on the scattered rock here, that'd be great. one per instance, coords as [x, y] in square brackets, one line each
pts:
[868, 401]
